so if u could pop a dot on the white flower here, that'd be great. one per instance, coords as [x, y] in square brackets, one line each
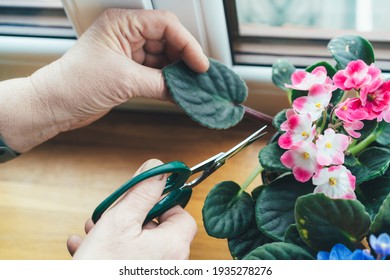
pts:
[335, 182]
[331, 147]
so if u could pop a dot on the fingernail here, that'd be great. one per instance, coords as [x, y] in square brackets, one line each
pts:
[149, 165]
[207, 61]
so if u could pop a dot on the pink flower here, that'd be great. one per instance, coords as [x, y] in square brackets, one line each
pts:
[351, 127]
[351, 110]
[302, 159]
[298, 128]
[335, 182]
[385, 114]
[315, 102]
[331, 147]
[375, 102]
[357, 75]
[302, 80]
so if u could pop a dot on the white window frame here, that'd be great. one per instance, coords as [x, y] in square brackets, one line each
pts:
[205, 19]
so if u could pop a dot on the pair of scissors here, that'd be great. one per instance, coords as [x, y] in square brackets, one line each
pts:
[177, 190]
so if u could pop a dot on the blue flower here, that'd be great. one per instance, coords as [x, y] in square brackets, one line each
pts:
[341, 252]
[381, 245]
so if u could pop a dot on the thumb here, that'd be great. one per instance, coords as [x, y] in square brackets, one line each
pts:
[151, 83]
[137, 202]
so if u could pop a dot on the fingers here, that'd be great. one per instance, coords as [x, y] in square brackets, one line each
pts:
[179, 221]
[73, 243]
[137, 202]
[162, 25]
[88, 225]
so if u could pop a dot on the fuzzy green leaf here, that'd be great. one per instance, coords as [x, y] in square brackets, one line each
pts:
[371, 163]
[243, 244]
[372, 193]
[381, 222]
[292, 236]
[275, 205]
[227, 212]
[269, 158]
[279, 251]
[347, 48]
[323, 222]
[281, 73]
[384, 137]
[279, 119]
[213, 98]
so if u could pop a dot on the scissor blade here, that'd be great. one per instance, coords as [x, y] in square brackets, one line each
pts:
[243, 144]
[210, 165]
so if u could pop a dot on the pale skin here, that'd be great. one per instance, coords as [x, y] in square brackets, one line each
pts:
[119, 56]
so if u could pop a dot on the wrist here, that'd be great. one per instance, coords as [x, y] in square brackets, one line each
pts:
[25, 118]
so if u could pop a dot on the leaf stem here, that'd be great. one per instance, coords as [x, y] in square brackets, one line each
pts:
[324, 115]
[250, 179]
[367, 141]
[256, 115]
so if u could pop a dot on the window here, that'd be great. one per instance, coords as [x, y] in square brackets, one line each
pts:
[260, 31]
[38, 18]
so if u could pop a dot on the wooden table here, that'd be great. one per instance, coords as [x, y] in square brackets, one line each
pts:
[48, 193]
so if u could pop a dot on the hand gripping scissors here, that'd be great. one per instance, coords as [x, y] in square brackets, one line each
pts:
[177, 190]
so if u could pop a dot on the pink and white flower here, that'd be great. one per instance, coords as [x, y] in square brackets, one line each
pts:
[315, 102]
[351, 127]
[357, 75]
[335, 182]
[351, 110]
[298, 128]
[375, 102]
[385, 114]
[303, 80]
[302, 159]
[331, 147]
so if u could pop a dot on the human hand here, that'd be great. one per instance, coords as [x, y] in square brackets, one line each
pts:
[119, 233]
[118, 57]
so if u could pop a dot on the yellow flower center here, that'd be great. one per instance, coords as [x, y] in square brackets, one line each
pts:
[371, 97]
[305, 134]
[332, 181]
[328, 145]
[318, 105]
[306, 155]
[344, 108]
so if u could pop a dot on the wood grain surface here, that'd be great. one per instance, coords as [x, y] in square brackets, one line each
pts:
[48, 193]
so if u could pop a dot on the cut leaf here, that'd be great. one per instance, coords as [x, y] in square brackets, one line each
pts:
[275, 205]
[213, 98]
[371, 163]
[227, 212]
[279, 251]
[323, 222]
[347, 48]
[381, 222]
[243, 244]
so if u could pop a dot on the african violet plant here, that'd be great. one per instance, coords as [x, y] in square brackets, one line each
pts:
[326, 178]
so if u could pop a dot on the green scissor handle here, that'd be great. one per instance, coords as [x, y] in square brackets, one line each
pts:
[176, 197]
[180, 174]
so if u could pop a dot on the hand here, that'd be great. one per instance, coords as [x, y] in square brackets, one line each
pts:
[117, 58]
[119, 233]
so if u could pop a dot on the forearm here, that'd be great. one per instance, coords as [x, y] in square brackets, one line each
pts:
[25, 116]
